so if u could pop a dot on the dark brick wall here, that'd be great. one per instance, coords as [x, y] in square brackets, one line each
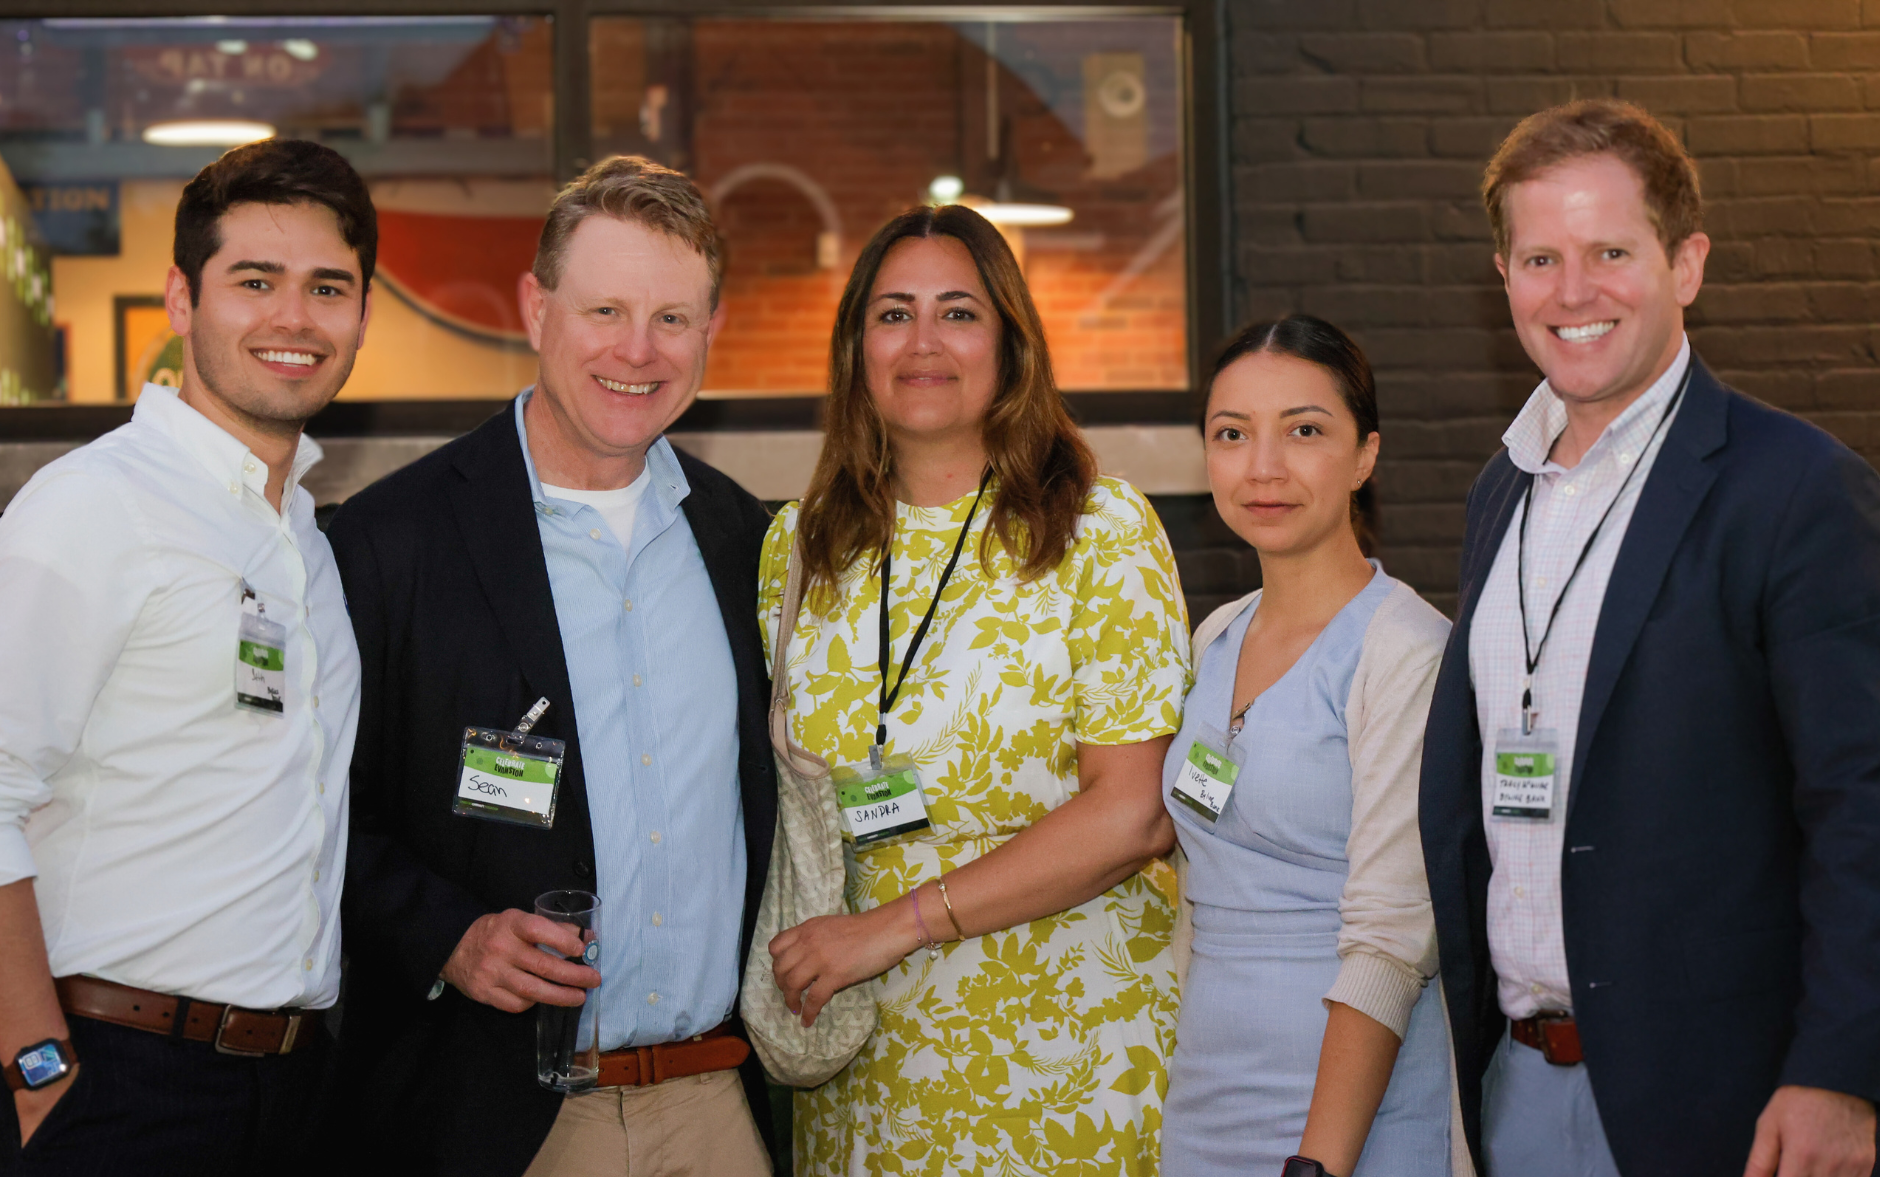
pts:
[1360, 128]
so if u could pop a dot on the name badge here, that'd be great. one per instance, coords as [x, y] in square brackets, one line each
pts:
[260, 659]
[880, 803]
[1205, 780]
[509, 776]
[1525, 775]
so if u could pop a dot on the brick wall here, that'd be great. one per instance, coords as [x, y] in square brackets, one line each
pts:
[1359, 130]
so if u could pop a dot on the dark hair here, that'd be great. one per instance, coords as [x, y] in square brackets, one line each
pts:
[1315, 341]
[273, 171]
[1599, 126]
[1044, 468]
[1305, 337]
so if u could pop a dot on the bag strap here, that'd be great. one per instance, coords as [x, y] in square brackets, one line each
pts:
[798, 759]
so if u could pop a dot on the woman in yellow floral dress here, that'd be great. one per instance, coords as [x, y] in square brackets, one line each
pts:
[1028, 1012]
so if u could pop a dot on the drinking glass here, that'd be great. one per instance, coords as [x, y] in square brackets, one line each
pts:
[567, 1037]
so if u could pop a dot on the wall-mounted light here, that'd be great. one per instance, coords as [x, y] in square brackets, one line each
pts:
[946, 189]
[207, 133]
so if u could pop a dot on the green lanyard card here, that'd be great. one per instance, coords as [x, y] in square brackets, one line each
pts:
[260, 658]
[880, 800]
[1204, 782]
[510, 776]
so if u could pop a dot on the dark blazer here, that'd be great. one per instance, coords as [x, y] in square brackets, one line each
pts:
[1720, 880]
[449, 594]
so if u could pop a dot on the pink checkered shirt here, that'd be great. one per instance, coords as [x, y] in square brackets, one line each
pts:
[1524, 923]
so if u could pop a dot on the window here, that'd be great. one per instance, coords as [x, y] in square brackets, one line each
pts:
[808, 132]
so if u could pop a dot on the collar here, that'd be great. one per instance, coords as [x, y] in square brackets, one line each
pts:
[667, 486]
[233, 465]
[1531, 436]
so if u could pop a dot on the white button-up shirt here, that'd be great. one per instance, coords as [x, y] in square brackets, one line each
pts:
[180, 844]
[1525, 937]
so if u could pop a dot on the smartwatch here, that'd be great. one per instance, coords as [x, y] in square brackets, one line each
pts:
[40, 1064]
[1303, 1167]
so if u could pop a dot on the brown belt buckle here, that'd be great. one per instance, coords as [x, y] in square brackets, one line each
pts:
[287, 1038]
[1560, 1039]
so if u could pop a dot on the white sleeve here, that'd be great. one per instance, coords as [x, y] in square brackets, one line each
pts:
[70, 590]
[1387, 929]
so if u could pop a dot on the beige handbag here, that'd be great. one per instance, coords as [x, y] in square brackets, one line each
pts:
[806, 879]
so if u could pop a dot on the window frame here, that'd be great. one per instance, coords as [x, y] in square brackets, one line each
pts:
[1208, 236]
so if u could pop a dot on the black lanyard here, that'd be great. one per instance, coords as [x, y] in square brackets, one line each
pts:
[1533, 656]
[887, 696]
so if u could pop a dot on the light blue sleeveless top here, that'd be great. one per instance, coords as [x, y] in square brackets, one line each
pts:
[1266, 880]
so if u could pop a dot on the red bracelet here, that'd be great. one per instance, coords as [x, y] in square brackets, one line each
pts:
[932, 945]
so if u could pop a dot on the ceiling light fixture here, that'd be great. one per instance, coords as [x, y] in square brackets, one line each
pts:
[207, 133]
[1023, 216]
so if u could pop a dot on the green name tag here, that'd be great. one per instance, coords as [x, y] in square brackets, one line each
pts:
[508, 776]
[1205, 780]
[261, 664]
[878, 804]
[1525, 774]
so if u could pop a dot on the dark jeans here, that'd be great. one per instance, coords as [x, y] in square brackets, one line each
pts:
[151, 1105]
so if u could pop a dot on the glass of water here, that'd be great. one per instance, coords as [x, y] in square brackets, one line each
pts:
[567, 1037]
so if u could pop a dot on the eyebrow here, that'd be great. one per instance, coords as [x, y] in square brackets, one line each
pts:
[948, 296]
[324, 273]
[1293, 412]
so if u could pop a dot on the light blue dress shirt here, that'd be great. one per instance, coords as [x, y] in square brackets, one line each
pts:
[656, 701]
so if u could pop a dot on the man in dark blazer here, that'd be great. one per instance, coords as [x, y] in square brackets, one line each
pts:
[1651, 779]
[564, 552]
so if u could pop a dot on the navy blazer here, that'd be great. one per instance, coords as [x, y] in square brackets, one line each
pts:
[449, 593]
[1720, 882]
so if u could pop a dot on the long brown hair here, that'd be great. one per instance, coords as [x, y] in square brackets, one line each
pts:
[1042, 467]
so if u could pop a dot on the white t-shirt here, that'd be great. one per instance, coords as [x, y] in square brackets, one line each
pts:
[617, 507]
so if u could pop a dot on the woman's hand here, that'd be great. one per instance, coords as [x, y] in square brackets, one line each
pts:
[831, 952]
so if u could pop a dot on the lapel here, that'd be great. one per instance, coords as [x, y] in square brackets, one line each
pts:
[496, 518]
[1499, 500]
[1680, 478]
[733, 584]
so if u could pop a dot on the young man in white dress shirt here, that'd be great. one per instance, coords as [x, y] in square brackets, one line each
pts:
[177, 713]
[1651, 780]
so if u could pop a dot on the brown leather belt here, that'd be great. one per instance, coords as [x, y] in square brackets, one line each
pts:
[716, 1049]
[233, 1030]
[1552, 1032]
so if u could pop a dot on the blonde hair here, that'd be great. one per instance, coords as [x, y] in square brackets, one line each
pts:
[631, 188]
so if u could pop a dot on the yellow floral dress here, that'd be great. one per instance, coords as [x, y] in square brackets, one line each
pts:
[1041, 1049]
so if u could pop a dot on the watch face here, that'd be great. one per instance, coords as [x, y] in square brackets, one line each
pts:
[42, 1063]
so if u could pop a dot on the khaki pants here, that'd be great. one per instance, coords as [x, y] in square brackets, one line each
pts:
[699, 1125]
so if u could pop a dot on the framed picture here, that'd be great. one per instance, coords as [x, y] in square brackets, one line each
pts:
[148, 352]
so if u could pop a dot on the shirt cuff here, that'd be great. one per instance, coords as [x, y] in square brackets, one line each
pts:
[1379, 988]
[16, 856]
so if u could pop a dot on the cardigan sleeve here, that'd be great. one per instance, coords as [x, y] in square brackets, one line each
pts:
[1387, 931]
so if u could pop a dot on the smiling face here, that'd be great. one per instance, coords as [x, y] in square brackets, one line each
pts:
[930, 349]
[280, 317]
[1597, 304]
[623, 340]
[1283, 454]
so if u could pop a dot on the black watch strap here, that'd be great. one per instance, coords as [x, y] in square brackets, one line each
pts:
[1303, 1167]
[16, 1079]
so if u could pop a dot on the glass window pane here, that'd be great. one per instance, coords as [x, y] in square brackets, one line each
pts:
[808, 135]
[450, 119]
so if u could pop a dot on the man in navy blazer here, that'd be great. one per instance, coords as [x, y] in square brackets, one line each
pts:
[1651, 780]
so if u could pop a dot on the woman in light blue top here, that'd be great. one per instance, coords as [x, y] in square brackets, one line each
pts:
[1311, 1040]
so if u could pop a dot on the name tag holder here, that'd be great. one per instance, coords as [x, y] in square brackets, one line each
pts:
[510, 776]
[880, 799]
[260, 659]
[1526, 776]
[1205, 781]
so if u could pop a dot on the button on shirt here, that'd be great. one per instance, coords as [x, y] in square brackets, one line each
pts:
[1525, 937]
[655, 700]
[180, 844]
